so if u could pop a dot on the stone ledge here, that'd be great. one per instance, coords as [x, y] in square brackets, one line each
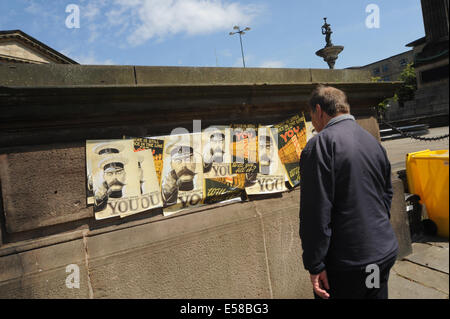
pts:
[45, 285]
[94, 228]
[57, 74]
[41, 260]
[31, 75]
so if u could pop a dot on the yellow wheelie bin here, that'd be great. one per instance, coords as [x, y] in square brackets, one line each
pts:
[427, 176]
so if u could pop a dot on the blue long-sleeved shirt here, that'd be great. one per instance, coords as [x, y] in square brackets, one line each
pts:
[345, 199]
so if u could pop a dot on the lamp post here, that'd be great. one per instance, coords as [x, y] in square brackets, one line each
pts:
[241, 32]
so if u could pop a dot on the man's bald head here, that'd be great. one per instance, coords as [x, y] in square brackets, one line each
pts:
[331, 100]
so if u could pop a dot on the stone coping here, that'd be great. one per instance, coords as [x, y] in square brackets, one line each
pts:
[89, 75]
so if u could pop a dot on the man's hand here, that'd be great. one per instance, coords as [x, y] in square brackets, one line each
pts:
[320, 283]
[169, 184]
[102, 193]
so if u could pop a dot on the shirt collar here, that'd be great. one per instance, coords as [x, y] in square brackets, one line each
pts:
[339, 118]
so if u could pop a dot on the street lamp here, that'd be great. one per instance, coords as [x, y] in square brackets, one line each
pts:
[241, 32]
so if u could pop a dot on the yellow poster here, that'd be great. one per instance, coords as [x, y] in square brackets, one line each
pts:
[156, 145]
[244, 152]
[220, 184]
[291, 135]
[271, 173]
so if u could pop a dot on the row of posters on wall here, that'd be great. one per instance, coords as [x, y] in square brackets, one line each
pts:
[178, 172]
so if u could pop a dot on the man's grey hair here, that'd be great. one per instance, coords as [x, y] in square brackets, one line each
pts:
[331, 100]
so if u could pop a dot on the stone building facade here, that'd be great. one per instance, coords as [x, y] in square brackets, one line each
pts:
[18, 47]
[389, 69]
[431, 65]
[430, 59]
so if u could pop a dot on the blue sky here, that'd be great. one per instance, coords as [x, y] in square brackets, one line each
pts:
[284, 33]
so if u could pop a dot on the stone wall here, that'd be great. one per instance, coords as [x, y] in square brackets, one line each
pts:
[430, 104]
[240, 250]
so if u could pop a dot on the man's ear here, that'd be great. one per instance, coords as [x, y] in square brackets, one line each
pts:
[318, 110]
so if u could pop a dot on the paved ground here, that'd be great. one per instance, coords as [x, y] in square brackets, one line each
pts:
[398, 148]
[425, 273]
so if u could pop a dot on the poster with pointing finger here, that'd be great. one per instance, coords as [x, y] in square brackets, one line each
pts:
[121, 183]
[182, 176]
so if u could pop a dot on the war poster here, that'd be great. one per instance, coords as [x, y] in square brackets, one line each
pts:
[271, 174]
[310, 131]
[244, 152]
[291, 141]
[120, 184]
[89, 185]
[149, 187]
[182, 175]
[219, 182]
[156, 145]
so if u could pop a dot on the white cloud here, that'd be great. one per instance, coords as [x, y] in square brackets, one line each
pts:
[149, 19]
[86, 59]
[94, 33]
[92, 10]
[226, 53]
[46, 14]
[33, 8]
[90, 59]
[239, 64]
[272, 64]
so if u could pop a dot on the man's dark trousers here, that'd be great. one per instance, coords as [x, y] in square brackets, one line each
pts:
[351, 284]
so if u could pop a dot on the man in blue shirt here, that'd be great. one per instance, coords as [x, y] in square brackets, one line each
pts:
[345, 200]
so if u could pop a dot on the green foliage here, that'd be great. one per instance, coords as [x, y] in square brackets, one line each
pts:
[404, 93]
[396, 97]
[375, 79]
[407, 90]
[382, 107]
